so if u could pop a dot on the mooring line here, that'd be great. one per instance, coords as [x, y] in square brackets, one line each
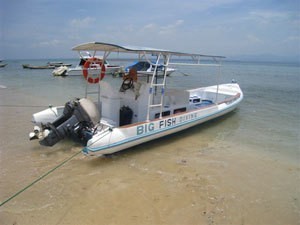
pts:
[38, 179]
[25, 106]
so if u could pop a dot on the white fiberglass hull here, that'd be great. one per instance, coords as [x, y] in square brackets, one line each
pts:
[160, 73]
[109, 138]
[77, 71]
[115, 139]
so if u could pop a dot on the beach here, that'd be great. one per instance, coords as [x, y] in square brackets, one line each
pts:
[242, 168]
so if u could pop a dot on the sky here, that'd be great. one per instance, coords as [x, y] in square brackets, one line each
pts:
[32, 29]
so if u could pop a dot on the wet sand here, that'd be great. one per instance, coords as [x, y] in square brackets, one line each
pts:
[198, 176]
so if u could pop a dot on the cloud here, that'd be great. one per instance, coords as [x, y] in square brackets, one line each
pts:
[82, 23]
[174, 25]
[254, 39]
[290, 39]
[268, 16]
[150, 26]
[46, 44]
[167, 29]
[171, 28]
[213, 26]
[195, 5]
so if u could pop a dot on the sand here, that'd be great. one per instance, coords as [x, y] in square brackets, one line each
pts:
[194, 177]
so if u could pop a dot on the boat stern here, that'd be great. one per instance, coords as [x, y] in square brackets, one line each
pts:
[77, 120]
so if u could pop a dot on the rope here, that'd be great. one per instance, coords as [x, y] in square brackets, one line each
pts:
[25, 106]
[38, 179]
[185, 74]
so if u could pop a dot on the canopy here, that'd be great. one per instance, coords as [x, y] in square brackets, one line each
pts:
[107, 47]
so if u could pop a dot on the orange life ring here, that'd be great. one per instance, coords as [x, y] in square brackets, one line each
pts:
[88, 65]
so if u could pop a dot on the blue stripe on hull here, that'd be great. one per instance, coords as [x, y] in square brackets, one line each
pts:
[117, 146]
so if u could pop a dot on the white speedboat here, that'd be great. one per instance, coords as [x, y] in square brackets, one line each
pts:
[147, 67]
[77, 71]
[60, 71]
[142, 109]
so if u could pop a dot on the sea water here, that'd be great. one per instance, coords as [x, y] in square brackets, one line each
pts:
[242, 168]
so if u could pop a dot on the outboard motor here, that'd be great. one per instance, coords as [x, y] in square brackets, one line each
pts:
[78, 120]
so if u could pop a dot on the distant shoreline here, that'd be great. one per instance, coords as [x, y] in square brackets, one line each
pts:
[227, 59]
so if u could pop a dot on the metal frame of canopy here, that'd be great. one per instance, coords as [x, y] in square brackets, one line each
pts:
[108, 48]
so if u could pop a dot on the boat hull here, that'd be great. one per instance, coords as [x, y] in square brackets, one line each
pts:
[77, 71]
[27, 66]
[117, 139]
[160, 73]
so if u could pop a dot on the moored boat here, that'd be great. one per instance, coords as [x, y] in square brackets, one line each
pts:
[59, 64]
[28, 66]
[142, 109]
[60, 71]
[147, 68]
[78, 70]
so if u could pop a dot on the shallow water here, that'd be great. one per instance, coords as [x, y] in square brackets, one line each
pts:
[242, 168]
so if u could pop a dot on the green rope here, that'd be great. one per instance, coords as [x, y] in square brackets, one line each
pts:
[25, 106]
[38, 179]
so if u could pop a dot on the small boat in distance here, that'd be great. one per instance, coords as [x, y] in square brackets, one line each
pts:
[28, 66]
[136, 109]
[49, 65]
[60, 71]
[58, 64]
[84, 57]
[146, 67]
[3, 65]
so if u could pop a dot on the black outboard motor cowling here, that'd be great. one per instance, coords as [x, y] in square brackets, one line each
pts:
[78, 120]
